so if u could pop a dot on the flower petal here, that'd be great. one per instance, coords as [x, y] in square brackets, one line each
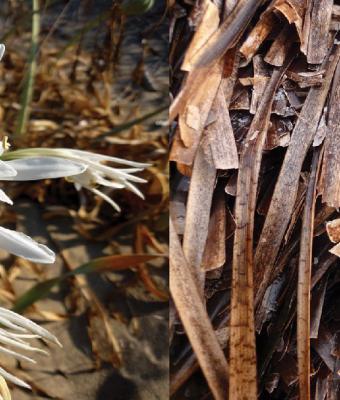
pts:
[29, 325]
[29, 169]
[22, 245]
[6, 171]
[11, 378]
[16, 355]
[106, 198]
[4, 391]
[5, 198]
[2, 50]
[101, 157]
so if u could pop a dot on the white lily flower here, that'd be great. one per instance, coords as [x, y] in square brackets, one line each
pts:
[26, 170]
[96, 171]
[15, 334]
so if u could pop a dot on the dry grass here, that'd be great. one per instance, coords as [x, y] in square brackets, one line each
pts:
[93, 76]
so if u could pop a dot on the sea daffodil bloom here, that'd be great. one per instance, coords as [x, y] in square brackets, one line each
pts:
[97, 171]
[25, 170]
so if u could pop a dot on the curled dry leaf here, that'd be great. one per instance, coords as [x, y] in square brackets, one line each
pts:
[333, 230]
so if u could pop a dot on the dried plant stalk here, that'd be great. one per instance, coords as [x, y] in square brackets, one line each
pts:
[331, 161]
[304, 284]
[242, 335]
[196, 320]
[198, 215]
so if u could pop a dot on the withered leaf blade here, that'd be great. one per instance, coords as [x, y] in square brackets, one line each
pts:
[195, 319]
[330, 186]
[219, 141]
[304, 283]
[206, 28]
[319, 31]
[198, 213]
[215, 249]
[243, 375]
[226, 35]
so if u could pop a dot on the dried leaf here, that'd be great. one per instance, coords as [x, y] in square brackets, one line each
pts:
[198, 213]
[335, 250]
[304, 283]
[226, 35]
[333, 230]
[242, 335]
[219, 142]
[257, 36]
[319, 31]
[196, 322]
[330, 186]
[208, 25]
[215, 250]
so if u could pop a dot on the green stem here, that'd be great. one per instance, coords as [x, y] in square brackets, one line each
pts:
[27, 94]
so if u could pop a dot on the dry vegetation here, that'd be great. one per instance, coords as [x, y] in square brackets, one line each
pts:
[94, 79]
[255, 194]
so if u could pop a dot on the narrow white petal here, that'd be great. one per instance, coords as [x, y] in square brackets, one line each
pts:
[134, 190]
[102, 157]
[16, 355]
[22, 245]
[11, 378]
[5, 198]
[115, 173]
[29, 169]
[131, 170]
[9, 324]
[5, 393]
[21, 336]
[2, 50]
[18, 336]
[105, 182]
[20, 344]
[106, 198]
[6, 171]
[28, 324]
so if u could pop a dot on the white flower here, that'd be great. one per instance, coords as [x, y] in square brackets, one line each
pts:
[31, 169]
[96, 171]
[15, 332]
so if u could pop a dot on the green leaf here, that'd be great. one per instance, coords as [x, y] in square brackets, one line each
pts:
[117, 262]
[37, 292]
